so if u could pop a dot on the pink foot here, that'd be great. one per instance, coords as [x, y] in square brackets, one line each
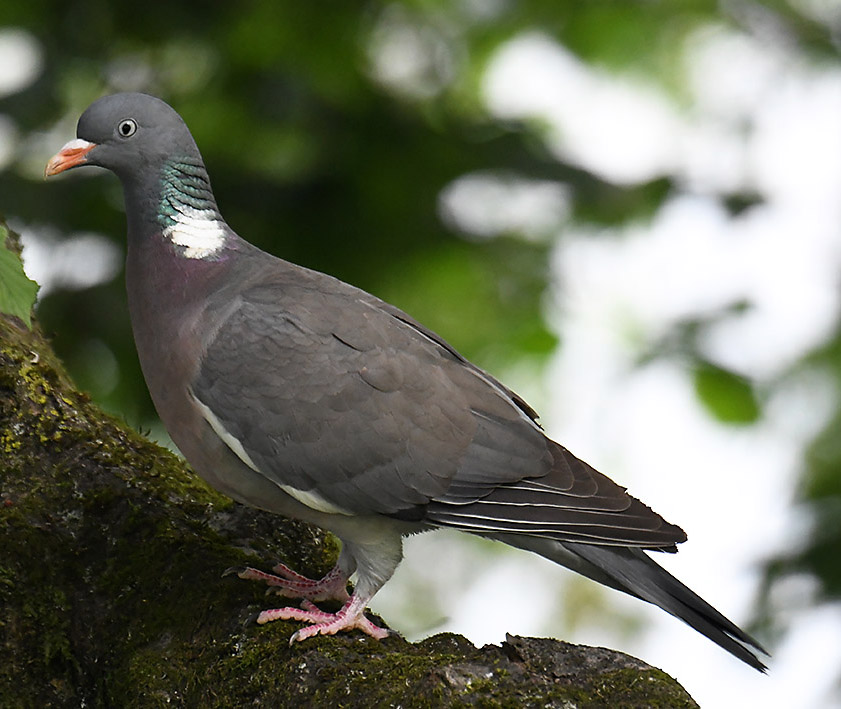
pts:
[352, 615]
[291, 584]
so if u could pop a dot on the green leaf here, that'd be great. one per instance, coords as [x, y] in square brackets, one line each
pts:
[17, 292]
[727, 396]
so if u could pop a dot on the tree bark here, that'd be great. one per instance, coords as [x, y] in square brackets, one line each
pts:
[111, 553]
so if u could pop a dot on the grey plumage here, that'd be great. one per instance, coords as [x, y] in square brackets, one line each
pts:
[294, 392]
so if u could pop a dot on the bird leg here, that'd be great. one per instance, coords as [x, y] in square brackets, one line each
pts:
[375, 564]
[333, 586]
[288, 583]
[351, 615]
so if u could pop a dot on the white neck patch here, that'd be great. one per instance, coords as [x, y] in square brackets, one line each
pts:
[199, 231]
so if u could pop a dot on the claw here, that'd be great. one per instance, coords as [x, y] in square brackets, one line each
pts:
[253, 619]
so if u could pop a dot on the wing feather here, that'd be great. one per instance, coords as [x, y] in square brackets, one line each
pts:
[573, 502]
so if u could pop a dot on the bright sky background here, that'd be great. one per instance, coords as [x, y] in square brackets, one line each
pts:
[730, 488]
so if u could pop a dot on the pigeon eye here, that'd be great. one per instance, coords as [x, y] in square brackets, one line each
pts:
[127, 128]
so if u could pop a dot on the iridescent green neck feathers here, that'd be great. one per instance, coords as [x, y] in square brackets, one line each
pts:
[187, 212]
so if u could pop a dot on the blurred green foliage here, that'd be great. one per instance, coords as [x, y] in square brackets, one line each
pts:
[820, 497]
[727, 396]
[317, 159]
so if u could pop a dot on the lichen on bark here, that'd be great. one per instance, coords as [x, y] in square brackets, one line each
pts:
[111, 553]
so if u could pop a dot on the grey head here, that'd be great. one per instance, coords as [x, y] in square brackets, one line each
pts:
[131, 134]
[149, 147]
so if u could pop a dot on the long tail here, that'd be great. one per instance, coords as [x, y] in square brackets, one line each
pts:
[634, 572]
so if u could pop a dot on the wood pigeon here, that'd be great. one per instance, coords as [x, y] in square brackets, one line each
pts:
[296, 393]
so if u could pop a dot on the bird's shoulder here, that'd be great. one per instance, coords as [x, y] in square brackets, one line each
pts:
[285, 305]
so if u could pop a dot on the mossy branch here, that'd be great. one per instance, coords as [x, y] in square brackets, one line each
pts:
[111, 553]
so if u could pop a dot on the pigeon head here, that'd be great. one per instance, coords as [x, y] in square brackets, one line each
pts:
[149, 147]
[129, 134]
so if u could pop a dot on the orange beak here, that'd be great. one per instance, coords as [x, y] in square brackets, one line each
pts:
[72, 154]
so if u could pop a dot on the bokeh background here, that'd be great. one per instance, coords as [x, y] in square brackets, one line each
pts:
[629, 211]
